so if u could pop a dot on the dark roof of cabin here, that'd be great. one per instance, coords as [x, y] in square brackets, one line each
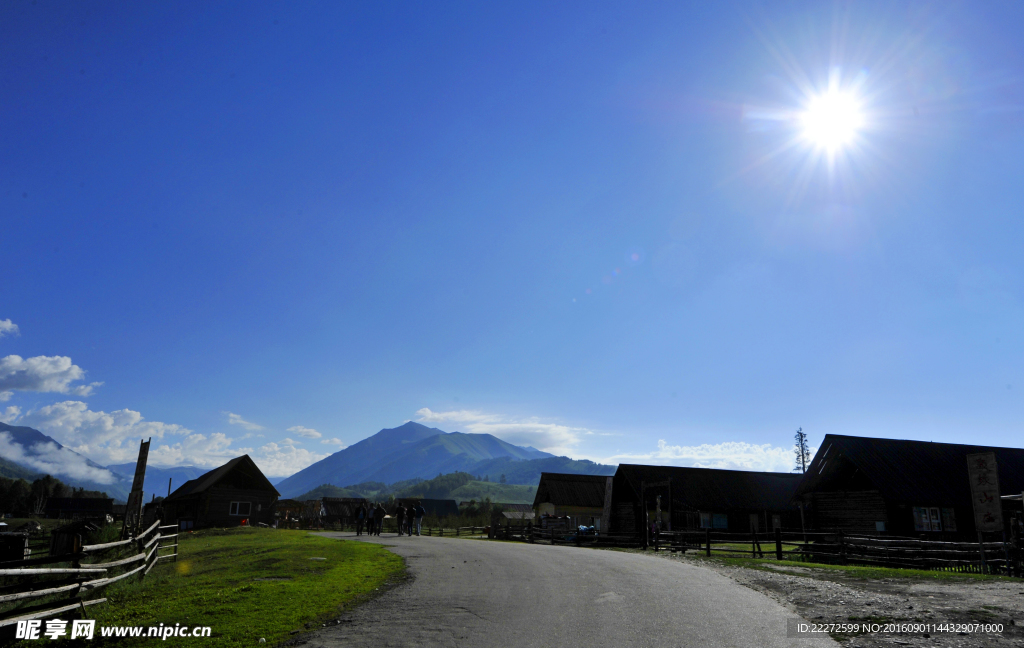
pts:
[105, 504]
[343, 506]
[564, 489]
[714, 489]
[438, 507]
[242, 468]
[920, 473]
[507, 507]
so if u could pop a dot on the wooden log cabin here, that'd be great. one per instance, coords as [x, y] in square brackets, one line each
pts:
[581, 498]
[737, 501]
[899, 487]
[223, 497]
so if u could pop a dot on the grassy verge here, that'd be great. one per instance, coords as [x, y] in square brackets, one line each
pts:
[248, 584]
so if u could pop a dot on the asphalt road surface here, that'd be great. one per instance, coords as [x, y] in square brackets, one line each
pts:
[478, 593]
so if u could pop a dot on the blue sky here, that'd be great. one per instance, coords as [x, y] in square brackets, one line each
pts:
[597, 229]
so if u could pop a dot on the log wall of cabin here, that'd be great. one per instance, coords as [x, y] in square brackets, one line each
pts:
[851, 511]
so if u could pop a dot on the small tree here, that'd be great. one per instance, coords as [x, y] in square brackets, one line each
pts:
[802, 452]
[503, 478]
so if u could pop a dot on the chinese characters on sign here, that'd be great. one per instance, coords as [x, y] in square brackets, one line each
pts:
[984, 476]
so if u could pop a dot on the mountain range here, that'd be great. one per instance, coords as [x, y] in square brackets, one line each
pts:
[408, 452]
[29, 454]
[414, 450]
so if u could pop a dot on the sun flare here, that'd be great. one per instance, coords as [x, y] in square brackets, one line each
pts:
[832, 120]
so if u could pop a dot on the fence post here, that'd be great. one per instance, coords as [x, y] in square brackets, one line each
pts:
[657, 540]
[177, 538]
[778, 543]
[457, 530]
[707, 539]
[981, 549]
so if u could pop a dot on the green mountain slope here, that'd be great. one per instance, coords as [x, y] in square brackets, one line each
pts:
[12, 470]
[528, 472]
[508, 493]
[326, 490]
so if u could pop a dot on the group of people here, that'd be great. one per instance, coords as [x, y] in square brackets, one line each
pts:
[370, 517]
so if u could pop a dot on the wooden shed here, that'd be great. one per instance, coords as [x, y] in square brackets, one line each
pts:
[581, 498]
[737, 501]
[341, 510]
[899, 487]
[223, 497]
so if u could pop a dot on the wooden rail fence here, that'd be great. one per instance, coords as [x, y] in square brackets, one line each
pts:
[80, 575]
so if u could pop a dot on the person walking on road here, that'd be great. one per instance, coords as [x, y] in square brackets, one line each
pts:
[371, 523]
[381, 513]
[400, 517]
[360, 518]
[419, 512]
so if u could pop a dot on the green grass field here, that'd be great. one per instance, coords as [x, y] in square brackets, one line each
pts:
[248, 584]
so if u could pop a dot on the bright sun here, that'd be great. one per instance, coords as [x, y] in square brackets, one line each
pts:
[832, 120]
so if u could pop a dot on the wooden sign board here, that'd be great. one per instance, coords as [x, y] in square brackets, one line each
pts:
[984, 477]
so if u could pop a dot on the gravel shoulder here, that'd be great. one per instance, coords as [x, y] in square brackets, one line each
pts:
[825, 595]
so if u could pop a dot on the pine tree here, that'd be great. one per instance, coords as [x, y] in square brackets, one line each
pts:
[802, 452]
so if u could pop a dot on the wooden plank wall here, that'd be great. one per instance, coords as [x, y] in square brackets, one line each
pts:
[851, 511]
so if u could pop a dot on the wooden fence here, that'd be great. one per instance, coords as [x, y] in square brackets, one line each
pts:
[839, 548]
[71, 581]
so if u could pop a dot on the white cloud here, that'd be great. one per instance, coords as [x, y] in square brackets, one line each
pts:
[113, 437]
[550, 437]
[235, 419]
[195, 449]
[53, 460]
[12, 412]
[278, 459]
[5, 396]
[43, 374]
[309, 433]
[335, 441]
[732, 455]
[103, 437]
[7, 327]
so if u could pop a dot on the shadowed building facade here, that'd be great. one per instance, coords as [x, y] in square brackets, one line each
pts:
[223, 497]
[738, 501]
[897, 487]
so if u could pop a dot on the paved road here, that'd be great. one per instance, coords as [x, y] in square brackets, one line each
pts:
[478, 593]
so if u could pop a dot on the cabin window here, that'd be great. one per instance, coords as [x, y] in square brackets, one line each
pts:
[948, 519]
[240, 508]
[933, 518]
[714, 520]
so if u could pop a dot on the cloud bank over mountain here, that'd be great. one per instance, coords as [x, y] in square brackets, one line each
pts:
[730, 455]
[555, 438]
[113, 438]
